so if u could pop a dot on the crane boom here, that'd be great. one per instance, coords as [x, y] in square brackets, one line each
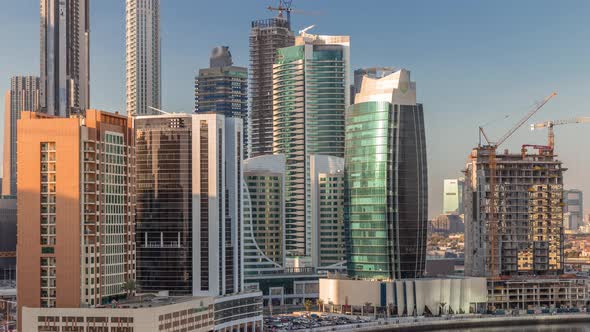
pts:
[532, 112]
[552, 123]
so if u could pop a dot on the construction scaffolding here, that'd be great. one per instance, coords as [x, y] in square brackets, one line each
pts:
[514, 214]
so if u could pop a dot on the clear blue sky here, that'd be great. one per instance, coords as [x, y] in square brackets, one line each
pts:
[473, 61]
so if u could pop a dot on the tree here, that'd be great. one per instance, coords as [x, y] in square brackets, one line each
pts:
[307, 305]
[442, 308]
[129, 286]
[321, 305]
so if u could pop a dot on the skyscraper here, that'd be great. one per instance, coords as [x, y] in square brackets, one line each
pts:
[574, 205]
[453, 196]
[23, 96]
[75, 209]
[310, 97]
[386, 196]
[65, 56]
[144, 77]
[189, 213]
[528, 212]
[266, 37]
[223, 89]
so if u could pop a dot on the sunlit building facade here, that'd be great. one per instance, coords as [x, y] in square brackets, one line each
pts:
[75, 209]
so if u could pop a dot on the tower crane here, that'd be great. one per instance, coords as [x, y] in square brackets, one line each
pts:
[550, 124]
[284, 6]
[490, 150]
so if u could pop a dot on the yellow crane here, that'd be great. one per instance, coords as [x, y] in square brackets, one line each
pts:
[490, 148]
[550, 124]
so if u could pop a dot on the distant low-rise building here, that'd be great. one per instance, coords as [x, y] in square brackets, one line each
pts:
[446, 223]
[566, 291]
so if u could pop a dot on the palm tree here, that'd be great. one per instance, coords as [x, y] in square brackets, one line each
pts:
[442, 308]
[307, 305]
[321, 305]
[129, 287]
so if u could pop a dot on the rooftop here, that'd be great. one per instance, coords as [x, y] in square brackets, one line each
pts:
[150, 301]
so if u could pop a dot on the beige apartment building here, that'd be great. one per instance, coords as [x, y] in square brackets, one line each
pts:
[238, 312]
[75, 209]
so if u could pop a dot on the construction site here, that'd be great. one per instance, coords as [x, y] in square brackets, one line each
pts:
[526, 222]
[513, 208]
[514, 213]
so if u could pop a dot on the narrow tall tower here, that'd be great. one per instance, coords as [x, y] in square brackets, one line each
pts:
[65, 54]
[266, 37]
[310, 98]
[144, 80]
[23, 96]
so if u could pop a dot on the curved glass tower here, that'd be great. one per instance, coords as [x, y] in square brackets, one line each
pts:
[386, 180]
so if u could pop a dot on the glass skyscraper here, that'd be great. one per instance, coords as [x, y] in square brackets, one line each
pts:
[386, 180]
[189, 204]
[310, 97]
[164, 156]
[223, 89]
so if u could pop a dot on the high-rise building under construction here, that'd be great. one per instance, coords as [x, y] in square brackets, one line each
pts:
[266, 37]
[514, 228]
